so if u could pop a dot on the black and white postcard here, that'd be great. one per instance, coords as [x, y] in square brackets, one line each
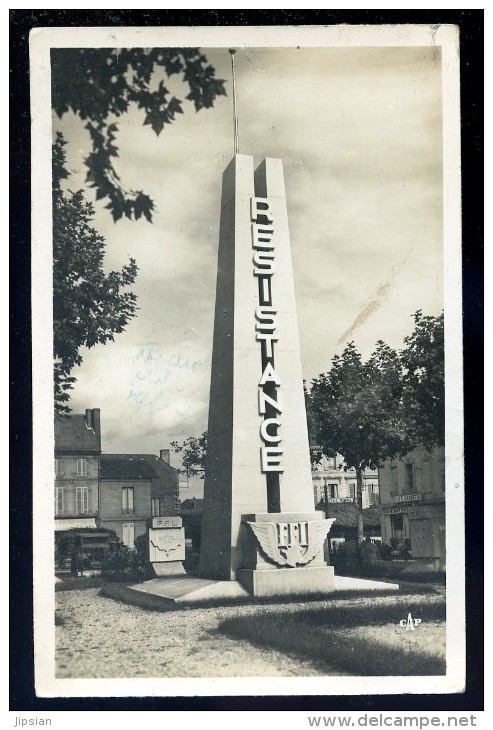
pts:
[247, 361]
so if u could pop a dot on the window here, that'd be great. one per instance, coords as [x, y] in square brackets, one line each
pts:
[331, 490]
[81, 467]
[127, 500]
[58, 468]
[395, 483]
[129, 534]
[59, 500]
[397, 527]
[155, 508]
[352, 490]
[410, 478]
[372, 490]
[81, 500]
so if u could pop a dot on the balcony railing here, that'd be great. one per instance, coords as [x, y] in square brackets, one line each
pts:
[333, 500]
[75, 513]
[373, 499]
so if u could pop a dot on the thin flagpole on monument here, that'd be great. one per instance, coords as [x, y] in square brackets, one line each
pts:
[235, 110]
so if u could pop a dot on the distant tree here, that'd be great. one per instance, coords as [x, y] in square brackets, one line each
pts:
[101, 84]
[423, 379]
[89, 306]
[355, 410]
[372, 411]
[194, 454]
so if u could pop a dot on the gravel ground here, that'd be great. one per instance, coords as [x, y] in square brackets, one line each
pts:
[100, 637]
[429, 637]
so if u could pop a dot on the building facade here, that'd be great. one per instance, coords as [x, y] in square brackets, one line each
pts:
[331, 484]
[77, 465]
[412, 497]
[77, 457]
[133, 489]
[98, 494]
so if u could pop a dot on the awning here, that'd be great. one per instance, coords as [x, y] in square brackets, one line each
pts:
[75, 524]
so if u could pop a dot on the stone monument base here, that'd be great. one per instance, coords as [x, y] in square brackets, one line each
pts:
[164, 569]
[287, 581]
[191, 589]
[283, 554]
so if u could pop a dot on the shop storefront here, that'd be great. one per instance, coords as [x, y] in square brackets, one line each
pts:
[82, 538]
[419, 526]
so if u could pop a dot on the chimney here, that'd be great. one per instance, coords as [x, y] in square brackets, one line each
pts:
[164, 455]
[93, 421]
[96, 422]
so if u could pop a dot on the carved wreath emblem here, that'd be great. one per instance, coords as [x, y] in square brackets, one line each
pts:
[291, 543]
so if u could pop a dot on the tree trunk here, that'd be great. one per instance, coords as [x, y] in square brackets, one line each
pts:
[359, 503]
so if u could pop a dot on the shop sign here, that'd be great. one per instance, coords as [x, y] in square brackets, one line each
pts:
[78, 482]
[408, 498]
[62, 525]
[394, 510]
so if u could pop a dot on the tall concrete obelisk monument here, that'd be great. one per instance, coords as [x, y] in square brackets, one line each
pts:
[259, 524]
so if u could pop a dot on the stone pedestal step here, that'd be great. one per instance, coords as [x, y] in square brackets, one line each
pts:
[342, 583]
[190, 589]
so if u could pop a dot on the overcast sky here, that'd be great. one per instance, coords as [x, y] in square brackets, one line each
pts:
[359, 131]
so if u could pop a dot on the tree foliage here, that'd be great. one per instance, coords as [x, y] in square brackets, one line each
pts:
[99, 85]
[194, 454]
[388, 405]
[355, 408]
[350, 406]
[423, 376]
[374, 410]
[89, 306]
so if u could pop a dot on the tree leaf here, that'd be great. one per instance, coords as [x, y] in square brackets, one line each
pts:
[98, 84]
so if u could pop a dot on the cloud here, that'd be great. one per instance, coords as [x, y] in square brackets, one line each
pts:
[359, 132]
